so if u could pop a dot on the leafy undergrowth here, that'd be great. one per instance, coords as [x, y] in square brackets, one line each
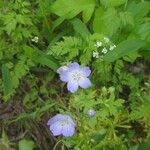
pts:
[111, 37]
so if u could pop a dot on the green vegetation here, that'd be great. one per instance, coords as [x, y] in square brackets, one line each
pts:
[112, 37]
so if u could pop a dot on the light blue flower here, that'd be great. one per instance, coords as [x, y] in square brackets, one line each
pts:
[91, 112]
[76, 76]
[61, 125]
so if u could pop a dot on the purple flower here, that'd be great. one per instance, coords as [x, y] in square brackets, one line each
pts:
[61, 125]
[76, 76]
[91, 112]
[62, 69]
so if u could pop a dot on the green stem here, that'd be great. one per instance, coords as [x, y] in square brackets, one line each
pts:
[56, 144]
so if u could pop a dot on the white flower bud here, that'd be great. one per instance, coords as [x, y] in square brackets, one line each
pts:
[104, 50]
[98, 44]
[106, 40]
[95, 54]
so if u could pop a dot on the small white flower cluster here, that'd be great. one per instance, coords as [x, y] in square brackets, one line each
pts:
[35, 39]
[99, 44]
[95, 54]
[106, 40]
[112, 47]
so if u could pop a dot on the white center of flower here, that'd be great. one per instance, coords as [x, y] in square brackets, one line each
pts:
[63, 122]
[76, 76]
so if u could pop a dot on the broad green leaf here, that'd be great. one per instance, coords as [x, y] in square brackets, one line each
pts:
[40, 57]
[88, 11]
[97, 22]
[124, 48]
[139, 10]
[45, 60]
[58, 21]
[135, 147]
[143, 31]
[80, 27]
[144, 146]
[106, 22]
[7, 80]
[63, 7]
[109, 3]
[26, 145]
[28, 51]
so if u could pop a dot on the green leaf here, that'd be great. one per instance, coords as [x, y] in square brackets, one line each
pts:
[144, 146]
[139, 10]
[5, 138]
[143, 31]
[63, 7]
[46, 60]
[7, 80]
[135, 147]
[124, 48]
[39, 57]
[109, 3]
[26, 145]
[69, 46]
[10, 22]
[80, 28]
[106, 22]
[88, 11]
[58, 21]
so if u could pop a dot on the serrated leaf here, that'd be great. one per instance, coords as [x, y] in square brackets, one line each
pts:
[110, 3]
[139, 10]
[63, 7]
[143, 31]
[80, 28]
[124, 48]
[106, 22]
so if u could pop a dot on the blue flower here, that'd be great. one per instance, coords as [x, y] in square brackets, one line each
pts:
[62, 125]
[75, 76]
[91, 112]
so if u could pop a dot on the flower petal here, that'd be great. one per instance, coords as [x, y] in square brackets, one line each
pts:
[86, 71]
[61, 117]
[58, 117]
[85, 83]
[91, 112]
[56, 128]
[74, 65]
[62, 69]
[68, 130]
[64, 76]
[72, 86]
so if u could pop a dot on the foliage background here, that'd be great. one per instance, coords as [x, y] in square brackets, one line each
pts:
[67, 30]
